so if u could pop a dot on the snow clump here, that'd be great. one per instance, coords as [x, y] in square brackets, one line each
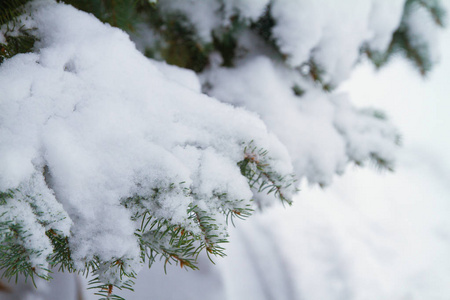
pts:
[88, 123]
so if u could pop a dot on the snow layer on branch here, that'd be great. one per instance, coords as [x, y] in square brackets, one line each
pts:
[322, 131]
[31, 210]
[203, 15]
[326, 33]
[250, 9]
[104, 123]
[420, 27]
[331, 32]
[384, 19]
[206, 16]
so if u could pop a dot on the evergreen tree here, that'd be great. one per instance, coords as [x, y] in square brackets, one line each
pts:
[110, 160]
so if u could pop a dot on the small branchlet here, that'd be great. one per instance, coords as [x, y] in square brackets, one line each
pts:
[256, 168]
[171, 242]
[61, 256]
[98, 269]
[14, 256]
[405, 43]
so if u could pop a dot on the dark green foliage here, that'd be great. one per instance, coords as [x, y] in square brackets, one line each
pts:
[263, 26]
[225, 41]
[11, 9]
[119, 13]
[18, 39]
[181, 45]
[60, 258]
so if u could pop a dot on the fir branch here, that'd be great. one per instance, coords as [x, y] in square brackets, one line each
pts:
[10, 10]
[434, 7]
[14, 256]
[98, 268]
[8, 194]
[225, 40]
[118, 13]
[17, 38]
[61, 256]
[263, 28]
[402, 41]
[256, 168]
[171, 242]
[181, 46]
[162, 238]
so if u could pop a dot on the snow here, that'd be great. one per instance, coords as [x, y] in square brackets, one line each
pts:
[420, 31]
[87, 122]
[250, 9]
[324, 31]
[331, 33]
[108, 124]
[384, 19]
[203, 25]
[208, 16]
[309, 126]
[370, 235]
[320, 36]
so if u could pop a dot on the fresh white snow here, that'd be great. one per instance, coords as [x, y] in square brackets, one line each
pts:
[109, 124]
[103, 123]
[370, 235]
